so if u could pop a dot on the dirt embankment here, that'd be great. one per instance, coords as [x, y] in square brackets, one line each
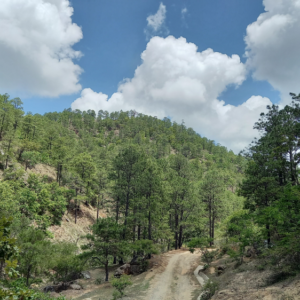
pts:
[251, 281]
[73, 232]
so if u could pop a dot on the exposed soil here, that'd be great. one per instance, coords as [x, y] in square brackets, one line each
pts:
[71, 232]
[249, 282]
[177, 281]
[43, 170]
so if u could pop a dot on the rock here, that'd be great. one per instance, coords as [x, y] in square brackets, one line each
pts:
[75, 286]
[226, 292]
[48, 289]
[221, 268]
[86, 275]
[135, 269]
[125, 269]
[56, 288]
[250, 252]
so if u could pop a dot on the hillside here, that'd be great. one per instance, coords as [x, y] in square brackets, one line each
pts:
[161, 182]
[84, 191]
[82, 153]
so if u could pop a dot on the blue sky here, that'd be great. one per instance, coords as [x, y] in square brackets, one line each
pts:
[57, 54]
[113, 40]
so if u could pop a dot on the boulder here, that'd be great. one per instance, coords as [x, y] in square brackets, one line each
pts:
[86, 275]
[75, 286]
[56, 288]
[125, 269]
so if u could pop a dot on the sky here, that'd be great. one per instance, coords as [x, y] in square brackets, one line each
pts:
[213, 64]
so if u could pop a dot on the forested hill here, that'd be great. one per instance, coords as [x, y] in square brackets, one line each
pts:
[161, 184]
[161, 177]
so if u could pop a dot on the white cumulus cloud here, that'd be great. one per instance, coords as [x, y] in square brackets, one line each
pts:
[36, 55]
[156, 23]
[176, 80]
[273, 46]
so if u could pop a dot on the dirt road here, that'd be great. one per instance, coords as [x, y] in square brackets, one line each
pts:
[170, 278]
[177, 281]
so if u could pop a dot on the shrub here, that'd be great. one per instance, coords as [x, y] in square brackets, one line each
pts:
[120, 285]
[209, 290]
[66, 264]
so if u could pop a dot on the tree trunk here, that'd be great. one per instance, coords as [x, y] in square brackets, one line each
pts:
[76, 206]
[126, 213]
[210, 222]
[269, 235]
[106, 270]
[149, 225]
[1, 268]
[139, 232]
[180, 236]
[176, 231]
[1, 131]
[28, 275]
[97, 208]
[180, 230]
[8, 149]
[213, 229]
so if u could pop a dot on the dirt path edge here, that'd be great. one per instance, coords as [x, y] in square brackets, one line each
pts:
[201, 277]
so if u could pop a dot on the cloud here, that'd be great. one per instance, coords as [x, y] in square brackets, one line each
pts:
[273, 46]
[176, 80]
[156, 23]
[36, 54]
[184, 12]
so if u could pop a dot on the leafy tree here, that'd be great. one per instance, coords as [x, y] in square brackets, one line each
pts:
[104, 242]
[8, 248]
[66, 262]
[212, 189]
[35, 251]
[31, 158]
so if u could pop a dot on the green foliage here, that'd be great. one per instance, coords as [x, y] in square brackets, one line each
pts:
[8, 248]
[271, 187]
[35, 251]
[120, 285]
[65, 262]
[162, 184]
[104, 242]
[198, 243]
[203, 243]
[31, 158]
[208, 290]
[242, 230]
[18, 290]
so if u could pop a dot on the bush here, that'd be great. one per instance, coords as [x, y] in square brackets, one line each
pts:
[99, 281]
[17, 289]
[120, 285]
[208, 256]
[209, 290]
[66, 264]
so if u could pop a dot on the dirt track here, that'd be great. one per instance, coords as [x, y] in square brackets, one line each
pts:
[170, 278]
[177, 281]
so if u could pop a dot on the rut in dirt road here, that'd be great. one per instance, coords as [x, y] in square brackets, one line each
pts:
[177, 282]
